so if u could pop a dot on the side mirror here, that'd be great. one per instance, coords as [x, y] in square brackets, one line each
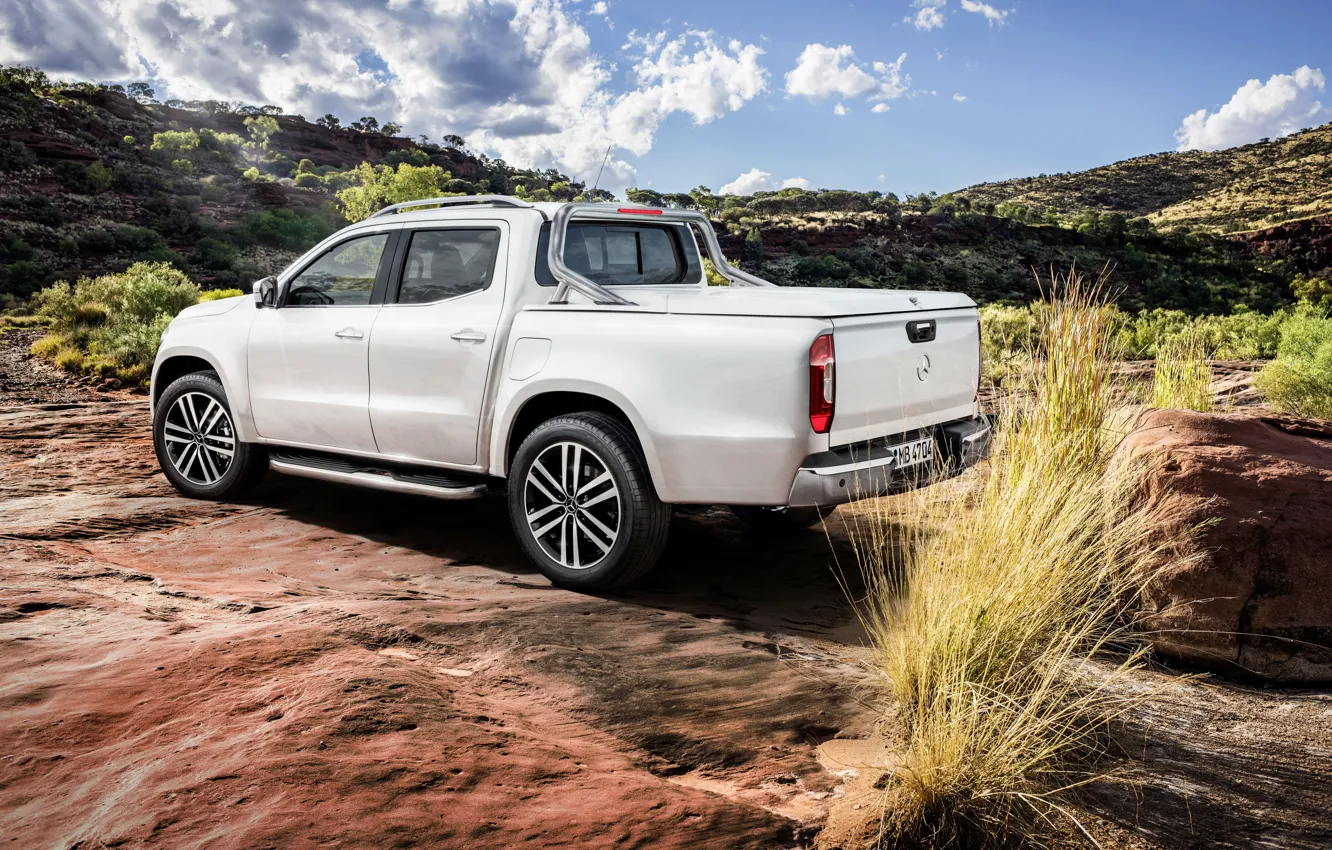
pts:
[265, 293]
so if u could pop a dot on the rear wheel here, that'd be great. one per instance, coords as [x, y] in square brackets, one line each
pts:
[195, 439]
[780, 520]
[582, 503]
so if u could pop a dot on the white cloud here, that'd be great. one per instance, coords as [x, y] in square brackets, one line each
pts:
[883, 178]
[840, 109]
[517, 78]
[822, 71]
[1281, 106]
[926, 19]
[880, 107]
[960, 98]
[598, 8]
[755, 180]
[993, 15]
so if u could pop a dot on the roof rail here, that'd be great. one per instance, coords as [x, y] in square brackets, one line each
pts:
[495, 200]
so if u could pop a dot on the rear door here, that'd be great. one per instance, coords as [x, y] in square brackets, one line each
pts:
[903, 371]
[308, 373]
[432, 344]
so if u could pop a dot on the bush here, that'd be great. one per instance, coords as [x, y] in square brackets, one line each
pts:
[1299, 380]
[375, 187]
[112, 324]
[308, 180]
[14, 155]
[97, 178]
[286, 229]
[24, 277]
[988, 601]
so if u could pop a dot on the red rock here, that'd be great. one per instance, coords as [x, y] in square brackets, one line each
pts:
[1257, 599]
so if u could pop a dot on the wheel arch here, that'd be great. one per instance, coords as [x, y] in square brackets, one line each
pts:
[177, 366]
[547, 404]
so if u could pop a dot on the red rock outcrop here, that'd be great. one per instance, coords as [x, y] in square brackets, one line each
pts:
[1256, 598]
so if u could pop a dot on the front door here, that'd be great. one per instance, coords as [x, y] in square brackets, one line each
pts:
[432, 344]
[308, 364]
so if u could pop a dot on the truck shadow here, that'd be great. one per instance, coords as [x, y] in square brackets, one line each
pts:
[713, 568]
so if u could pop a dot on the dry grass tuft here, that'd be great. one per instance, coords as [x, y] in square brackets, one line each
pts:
[989, 598]
[1181, 380]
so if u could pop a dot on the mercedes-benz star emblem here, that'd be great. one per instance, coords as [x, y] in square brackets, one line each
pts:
[923, 370]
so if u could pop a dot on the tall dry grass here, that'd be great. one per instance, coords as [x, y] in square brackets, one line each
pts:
[990, 597]
[1180, 378]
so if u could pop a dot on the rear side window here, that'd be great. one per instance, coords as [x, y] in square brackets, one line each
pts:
[443, 264]
[621, 254]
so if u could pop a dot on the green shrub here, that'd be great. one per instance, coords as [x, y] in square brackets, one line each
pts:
[308, 180]
[286, 229]
[375, 187]
[219, 294]
[112, 324]
[96, 178]
[24, 277]
[14, 155]
[1299, 380]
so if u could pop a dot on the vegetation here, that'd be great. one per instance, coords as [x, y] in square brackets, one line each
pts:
[1242, 188]
[1180, 378]
[993, 605]
[1299, 380]
[375, 187]
[111, 326]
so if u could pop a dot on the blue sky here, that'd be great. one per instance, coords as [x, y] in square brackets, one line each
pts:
[692, 92]
[1062, 85]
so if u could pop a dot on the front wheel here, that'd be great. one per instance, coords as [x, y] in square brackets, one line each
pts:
[196, 443]
[582, 504]
[781, 520]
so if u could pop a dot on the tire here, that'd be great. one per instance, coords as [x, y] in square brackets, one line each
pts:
[780, 520]
[610, 537]
[192, 431]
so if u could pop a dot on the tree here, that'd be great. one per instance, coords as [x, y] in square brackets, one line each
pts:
[453, 141]
[365, 124]
[375, 187]
[645, 197]
[142, 92]
[261, 129]
[754, 245]
[329, 121]
[391, 129]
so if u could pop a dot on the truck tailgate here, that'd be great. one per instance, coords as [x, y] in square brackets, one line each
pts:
[888, 384]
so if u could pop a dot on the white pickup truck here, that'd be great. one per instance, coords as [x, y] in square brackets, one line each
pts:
[575, 356]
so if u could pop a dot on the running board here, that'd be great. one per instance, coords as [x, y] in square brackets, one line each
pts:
[413, 481]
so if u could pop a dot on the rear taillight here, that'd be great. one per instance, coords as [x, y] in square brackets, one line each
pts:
[980, 356]
[822, 384]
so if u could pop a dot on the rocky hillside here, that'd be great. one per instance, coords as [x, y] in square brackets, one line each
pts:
[1245, 188]
[92, 180]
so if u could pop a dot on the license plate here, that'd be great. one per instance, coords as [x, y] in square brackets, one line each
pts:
[913, 453]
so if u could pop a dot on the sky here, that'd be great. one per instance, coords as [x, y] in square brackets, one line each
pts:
[743, 95]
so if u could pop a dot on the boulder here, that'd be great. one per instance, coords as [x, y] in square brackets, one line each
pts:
[1253, 594]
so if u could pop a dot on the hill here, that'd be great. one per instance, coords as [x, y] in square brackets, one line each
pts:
[92, 179]
[1245, 188]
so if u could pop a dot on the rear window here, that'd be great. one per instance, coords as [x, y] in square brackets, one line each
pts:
[621, 254]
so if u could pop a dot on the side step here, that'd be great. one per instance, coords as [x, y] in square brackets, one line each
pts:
[417, 481]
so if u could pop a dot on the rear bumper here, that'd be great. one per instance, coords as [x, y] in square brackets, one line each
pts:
[868, 470]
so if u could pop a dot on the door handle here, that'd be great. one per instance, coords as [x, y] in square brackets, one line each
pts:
[349, 333]
[469, 336]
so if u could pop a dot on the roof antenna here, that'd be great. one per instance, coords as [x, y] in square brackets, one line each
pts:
[602, 168]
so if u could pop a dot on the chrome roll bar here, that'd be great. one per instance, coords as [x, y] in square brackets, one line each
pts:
[598, 294]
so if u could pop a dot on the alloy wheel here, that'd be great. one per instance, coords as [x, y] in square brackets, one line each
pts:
[572, 505]
[200, 439]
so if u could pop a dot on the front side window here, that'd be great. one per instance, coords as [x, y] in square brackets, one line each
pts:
[443, 264]
[345, 274]
[620, 254]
